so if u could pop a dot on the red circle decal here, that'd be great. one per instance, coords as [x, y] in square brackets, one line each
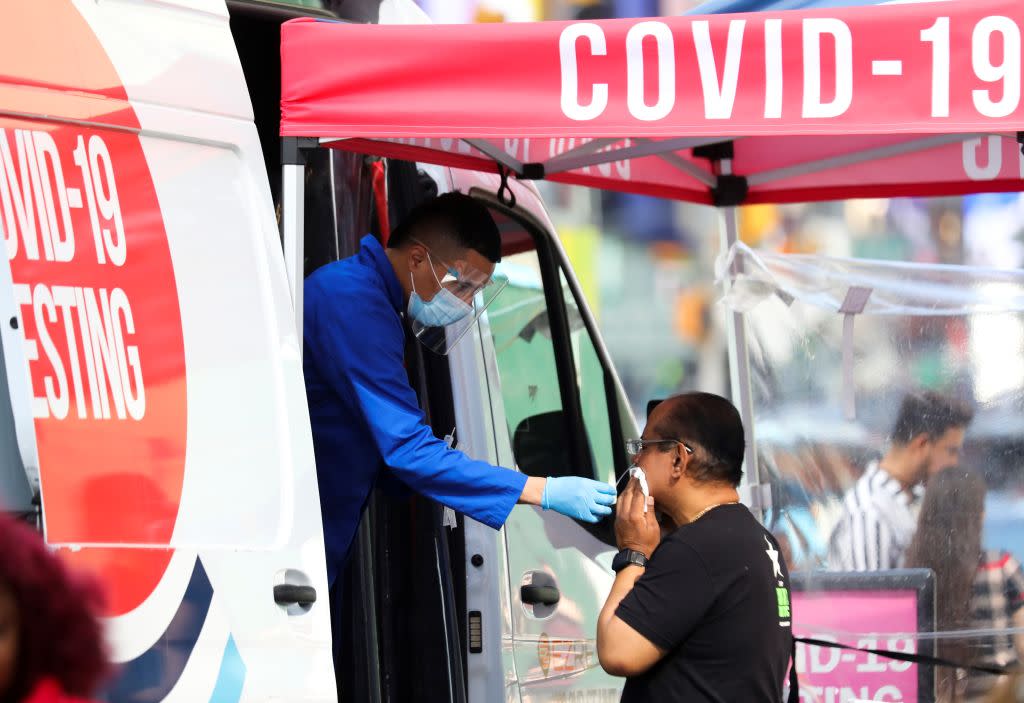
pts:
[98, 301]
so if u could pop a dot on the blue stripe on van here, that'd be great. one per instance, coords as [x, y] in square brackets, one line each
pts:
[150, 676]
[231, 677]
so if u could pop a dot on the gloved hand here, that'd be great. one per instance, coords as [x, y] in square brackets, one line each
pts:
[579, 498]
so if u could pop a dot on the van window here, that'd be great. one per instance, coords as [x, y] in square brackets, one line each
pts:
[339, 206]
[552, 379]
[594, 394]
[525, 353]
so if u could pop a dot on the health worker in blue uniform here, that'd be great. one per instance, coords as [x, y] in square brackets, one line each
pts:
[437, 270]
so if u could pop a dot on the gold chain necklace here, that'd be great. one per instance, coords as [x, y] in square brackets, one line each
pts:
[712, 507]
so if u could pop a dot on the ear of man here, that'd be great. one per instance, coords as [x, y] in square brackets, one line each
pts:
[417, 253]
[681, 463]
[921, 441]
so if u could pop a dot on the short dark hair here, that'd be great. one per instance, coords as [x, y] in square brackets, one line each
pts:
[452, 219]
[929, 413]
[712, 427]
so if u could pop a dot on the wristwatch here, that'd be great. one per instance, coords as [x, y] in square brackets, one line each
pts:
[627, 557]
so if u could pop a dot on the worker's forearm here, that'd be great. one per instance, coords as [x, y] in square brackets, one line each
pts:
[533, 491]
[624, 582]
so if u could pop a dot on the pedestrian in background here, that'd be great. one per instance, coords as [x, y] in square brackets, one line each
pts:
[976, 588]
[51, 643]
[1009, 691]
[880, 509]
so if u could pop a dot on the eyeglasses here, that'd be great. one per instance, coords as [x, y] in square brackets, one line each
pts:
[465, 284]
[635, 446]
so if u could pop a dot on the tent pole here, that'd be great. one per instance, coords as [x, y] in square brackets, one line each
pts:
[759, 497]
[293, 204]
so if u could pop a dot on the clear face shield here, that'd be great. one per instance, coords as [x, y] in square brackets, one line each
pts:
[464, 293]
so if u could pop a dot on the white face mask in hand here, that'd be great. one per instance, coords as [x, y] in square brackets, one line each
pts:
[642, 478]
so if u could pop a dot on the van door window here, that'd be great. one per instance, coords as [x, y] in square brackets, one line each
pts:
[548, 401]
[339, 206]
[525, 353]
[594, 395]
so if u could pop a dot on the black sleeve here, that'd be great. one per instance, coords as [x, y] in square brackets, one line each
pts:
[671, 597]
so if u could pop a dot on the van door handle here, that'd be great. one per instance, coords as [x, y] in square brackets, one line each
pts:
[294, 594]
[539, 595]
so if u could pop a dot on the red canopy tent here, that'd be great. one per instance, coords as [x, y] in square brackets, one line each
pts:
[888, 100]
[846, 102]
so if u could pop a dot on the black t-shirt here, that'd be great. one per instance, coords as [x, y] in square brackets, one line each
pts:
[715, 597]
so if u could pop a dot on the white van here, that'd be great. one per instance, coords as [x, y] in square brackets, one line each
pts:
[157, 428]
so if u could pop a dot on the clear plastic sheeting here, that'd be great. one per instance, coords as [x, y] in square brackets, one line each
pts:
[898, 288]
[899, 537]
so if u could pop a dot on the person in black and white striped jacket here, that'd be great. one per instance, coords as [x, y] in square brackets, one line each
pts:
[880, 510]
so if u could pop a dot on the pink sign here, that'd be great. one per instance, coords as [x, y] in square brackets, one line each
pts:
[836, 676]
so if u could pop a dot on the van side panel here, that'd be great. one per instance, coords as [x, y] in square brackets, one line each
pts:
[167, 397]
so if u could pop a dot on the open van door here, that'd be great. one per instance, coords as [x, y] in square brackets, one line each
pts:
[557, 408]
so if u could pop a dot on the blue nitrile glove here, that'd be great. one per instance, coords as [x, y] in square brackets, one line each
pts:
[579, 498]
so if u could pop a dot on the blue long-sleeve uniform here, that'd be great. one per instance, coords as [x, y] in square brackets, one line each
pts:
[364, 413]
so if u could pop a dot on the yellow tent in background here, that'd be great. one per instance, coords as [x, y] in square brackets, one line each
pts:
[582, 245]
[756, 221]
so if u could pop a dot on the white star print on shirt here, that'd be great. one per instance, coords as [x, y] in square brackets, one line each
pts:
[773, 554]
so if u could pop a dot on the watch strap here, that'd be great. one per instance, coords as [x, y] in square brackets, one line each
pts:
[628, 557]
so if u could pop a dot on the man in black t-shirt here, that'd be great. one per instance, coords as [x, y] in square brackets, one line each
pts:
[703, 614]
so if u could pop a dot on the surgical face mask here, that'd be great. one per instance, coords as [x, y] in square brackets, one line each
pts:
[465, 293]
[444, 309]
[642, 478]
